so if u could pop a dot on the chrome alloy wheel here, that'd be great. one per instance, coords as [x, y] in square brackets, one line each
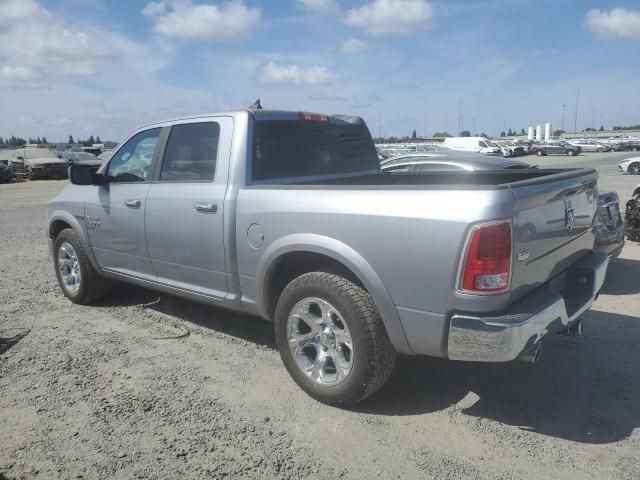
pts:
[69, 268]
[320, 341]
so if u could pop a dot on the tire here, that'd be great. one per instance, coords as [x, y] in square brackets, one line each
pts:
[371, 357]
[634, 169]
[92, 286]
[599, 150]
[571, 153]
[540, 153]
[30, 174]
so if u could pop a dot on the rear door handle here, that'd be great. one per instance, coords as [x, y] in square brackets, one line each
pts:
[133, 203]
[205, 207]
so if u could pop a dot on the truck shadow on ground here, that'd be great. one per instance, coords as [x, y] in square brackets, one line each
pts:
[245, 327]
[622, 277]
[585, 389]
[10, 337]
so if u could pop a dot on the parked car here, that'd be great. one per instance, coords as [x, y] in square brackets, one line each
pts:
[555, 147]
[286, 215]
[106, 153]
[6, 173]
[510, 149]
[525, 144]
[81, 158]
[591, 146]
[448, 160]
[472, 144]
[37, 163]
[608, 225]
[632, 216]
[630, 165]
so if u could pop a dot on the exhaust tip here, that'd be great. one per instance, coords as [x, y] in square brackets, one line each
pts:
[532, 355]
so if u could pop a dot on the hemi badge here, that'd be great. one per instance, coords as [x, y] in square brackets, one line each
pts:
[523, 256]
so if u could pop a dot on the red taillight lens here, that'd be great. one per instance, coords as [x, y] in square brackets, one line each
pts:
[487, 266]
[314, 117]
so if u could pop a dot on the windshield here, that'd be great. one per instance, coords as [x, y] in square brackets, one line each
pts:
[291, 148]
[84, 156]
[38, 153]
[491, 144]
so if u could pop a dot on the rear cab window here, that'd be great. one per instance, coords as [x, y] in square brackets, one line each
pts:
[294, 149]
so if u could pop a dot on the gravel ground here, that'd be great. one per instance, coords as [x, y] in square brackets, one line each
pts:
[110, 391]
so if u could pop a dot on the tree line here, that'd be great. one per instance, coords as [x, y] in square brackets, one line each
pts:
[19, 141]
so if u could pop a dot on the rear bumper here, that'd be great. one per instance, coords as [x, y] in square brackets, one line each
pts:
[505, 337]
[611, 243]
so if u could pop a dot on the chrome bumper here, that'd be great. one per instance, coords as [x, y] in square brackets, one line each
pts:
[505, 337]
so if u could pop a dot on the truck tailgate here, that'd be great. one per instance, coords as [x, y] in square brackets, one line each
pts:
[552, 226]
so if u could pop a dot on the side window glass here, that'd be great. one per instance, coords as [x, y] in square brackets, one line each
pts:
[191, 153]
[132, 163]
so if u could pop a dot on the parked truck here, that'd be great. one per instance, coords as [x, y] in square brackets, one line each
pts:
[287, 216]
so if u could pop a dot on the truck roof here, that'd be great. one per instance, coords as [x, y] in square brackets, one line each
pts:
[258, 115]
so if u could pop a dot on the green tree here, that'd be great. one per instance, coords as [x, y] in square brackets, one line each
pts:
[100, 141]
[602, 128]
[71, 140]
[510, 133]
[503, 133]
[482, 134]
[44, 140]
[465, 133]
[557, 133]
[414, 135]
[441, 134]
[1, 141]
[522, 132]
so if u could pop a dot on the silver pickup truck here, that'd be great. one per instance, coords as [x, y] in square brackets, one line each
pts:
[287, 216]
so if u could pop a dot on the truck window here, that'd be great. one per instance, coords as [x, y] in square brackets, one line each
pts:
[290, 148]
[191, 153]
[132, 163]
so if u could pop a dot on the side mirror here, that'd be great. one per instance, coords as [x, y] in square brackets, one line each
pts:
[21, 158]
[85, 175]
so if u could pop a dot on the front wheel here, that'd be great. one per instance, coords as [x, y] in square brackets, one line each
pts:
[30, 174]
[331, 339]
[634, 168]
[540, 153]
[571, 153]
[79, 281]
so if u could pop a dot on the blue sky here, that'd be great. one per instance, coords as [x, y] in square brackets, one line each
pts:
[87, 67]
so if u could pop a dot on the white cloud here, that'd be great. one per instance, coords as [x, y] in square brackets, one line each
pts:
[321, 7]
[294, 74]
[391, 17]
[616, 23]
[152, 9]
[188, 20]
[352, 45]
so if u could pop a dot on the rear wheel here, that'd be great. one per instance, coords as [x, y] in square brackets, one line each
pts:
[331, 338]
[30, 174]
[540, 153]
[79, 281]
[571, 153]
[634, 168]
[599, 150]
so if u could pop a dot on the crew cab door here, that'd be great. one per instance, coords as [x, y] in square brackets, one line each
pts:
[114, 212]
[185, 207]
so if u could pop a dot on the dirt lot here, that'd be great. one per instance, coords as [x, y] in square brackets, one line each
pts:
[109, 392]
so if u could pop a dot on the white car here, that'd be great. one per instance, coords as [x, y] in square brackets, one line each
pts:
[630, 165]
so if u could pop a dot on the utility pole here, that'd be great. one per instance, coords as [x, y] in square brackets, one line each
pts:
[459, 116]
[474, 126]
[563, 108]
[575, 119]
[461, 123]
[380, 127]
[593, 121]
[426, 135]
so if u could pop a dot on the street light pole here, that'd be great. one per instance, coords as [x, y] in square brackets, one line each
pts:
[575, 119]
[563, 108]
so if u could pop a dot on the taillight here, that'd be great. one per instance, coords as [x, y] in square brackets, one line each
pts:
[487, 264]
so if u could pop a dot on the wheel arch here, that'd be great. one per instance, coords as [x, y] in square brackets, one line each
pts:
[310, 252]
[60, 220]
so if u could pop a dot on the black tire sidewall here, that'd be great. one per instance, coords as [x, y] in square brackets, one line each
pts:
[353, 384]
[69, 236]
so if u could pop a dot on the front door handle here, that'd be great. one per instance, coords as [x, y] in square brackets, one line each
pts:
[205, 207]
[133, 203]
